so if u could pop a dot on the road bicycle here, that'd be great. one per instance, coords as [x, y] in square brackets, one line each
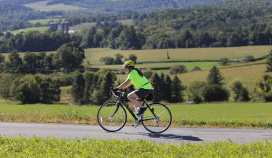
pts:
[112, 116]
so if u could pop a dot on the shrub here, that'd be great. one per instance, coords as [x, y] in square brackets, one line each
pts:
[215, 93]
[195, 91]
[224, 62]
[177, 69]
[196, 68]
[35, 89]
[248, 59]
[240, 93]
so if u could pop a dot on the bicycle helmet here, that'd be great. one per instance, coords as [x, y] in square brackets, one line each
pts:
[129, 63]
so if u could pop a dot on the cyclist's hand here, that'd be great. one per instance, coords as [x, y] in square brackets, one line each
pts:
[115, 89]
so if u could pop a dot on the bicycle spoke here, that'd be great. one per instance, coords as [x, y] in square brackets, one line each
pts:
[160, 122]
[111, 118]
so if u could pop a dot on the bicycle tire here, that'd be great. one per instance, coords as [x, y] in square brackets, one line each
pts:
[110, 119]
[161, 122]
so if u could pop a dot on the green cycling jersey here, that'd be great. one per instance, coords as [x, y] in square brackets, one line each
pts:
[138, 81]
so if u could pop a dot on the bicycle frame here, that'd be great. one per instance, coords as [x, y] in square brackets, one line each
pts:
[123, 100]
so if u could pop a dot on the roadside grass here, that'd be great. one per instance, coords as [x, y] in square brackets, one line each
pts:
[53, 147]
[237, 115]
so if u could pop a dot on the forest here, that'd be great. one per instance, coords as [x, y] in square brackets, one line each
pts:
[235, 23]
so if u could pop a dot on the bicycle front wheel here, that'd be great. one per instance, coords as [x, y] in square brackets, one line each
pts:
[158, 121]
[112, 117]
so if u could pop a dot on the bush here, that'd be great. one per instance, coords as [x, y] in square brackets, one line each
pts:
[195, 91]
[215, 93]
[240, 93]
[248, 59]
[35, 89]
[177, 69]
[196, 68]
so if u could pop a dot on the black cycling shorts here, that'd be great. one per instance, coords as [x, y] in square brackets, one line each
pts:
[141, 93]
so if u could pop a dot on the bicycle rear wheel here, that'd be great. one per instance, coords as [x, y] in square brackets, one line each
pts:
[112, 117]
[160, 122]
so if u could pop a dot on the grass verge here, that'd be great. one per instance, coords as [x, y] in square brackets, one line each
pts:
[52, 147]
[222, 115]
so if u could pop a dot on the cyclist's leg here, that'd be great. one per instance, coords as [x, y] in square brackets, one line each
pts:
[134, 99]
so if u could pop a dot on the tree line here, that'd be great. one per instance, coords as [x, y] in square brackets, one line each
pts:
[68, 58]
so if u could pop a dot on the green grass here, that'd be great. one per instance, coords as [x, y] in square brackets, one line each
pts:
[52, 147]
[215, 115]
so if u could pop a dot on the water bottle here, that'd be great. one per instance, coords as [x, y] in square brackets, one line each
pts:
[137, 111]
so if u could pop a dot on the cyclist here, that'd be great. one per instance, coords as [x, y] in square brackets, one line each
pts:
[140, 82]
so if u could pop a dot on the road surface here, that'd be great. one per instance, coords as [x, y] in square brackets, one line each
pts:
[172, 135]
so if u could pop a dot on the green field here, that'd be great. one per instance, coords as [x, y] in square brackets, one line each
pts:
[221, 114]
[42, 21]
[52, 147]
[40, 29]
[183, 54]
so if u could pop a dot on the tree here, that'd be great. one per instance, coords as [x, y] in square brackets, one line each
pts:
[69, 56]
[107, 60]
[214, 77]
[157, 83]
[224, 61]
[14, 64]
[263, 87]
[239, 91]
[78, 88]
[215, 93]
[132, 57]
[195, 91]
[269, 62]
[35, 89]
[177, 89]
[118, 58]
[177, 69]
[30, 61]
[167, 89]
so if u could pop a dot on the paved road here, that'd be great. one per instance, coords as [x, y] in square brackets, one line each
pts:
[172, 135]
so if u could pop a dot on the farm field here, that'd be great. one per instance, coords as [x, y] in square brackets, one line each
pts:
[40, 29]
[42, 21]
[246, 73]
[182, 54]
[42, 6]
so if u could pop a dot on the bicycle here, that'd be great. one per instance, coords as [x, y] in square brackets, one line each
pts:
[112, 116]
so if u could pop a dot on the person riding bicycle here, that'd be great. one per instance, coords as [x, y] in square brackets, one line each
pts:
[139, 81]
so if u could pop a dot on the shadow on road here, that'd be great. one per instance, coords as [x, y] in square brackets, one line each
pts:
[173, 136]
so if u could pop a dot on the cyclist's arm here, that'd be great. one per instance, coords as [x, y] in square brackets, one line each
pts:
[125, 84]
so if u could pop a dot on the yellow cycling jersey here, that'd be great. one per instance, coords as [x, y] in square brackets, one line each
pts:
[139, 81]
